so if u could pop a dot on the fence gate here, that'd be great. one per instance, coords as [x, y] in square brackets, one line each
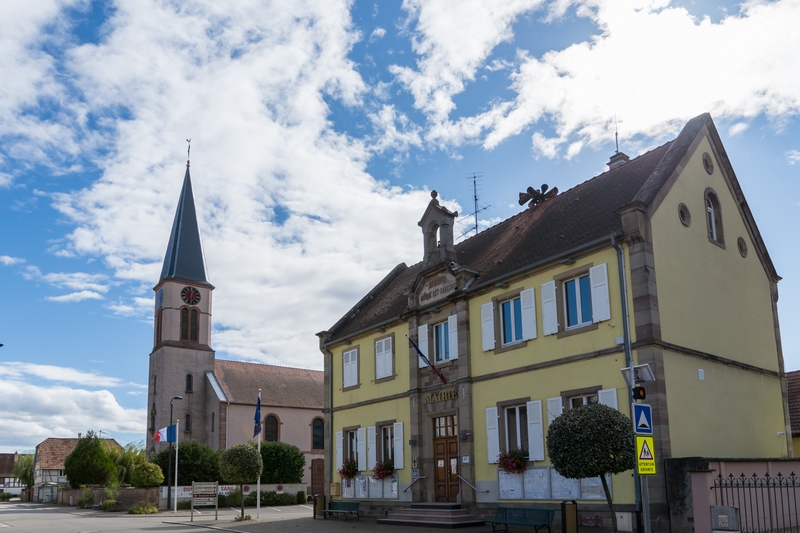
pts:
[767, 504]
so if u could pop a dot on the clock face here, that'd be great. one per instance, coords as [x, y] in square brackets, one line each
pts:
[190, 295]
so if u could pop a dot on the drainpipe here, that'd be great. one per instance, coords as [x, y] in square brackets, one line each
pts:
[626, 336]
[331, 433]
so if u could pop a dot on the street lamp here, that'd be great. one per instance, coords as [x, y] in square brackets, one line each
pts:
[169, 460]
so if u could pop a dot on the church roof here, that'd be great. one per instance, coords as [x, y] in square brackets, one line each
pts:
[184, 258]
[280, 386]
[585, 215]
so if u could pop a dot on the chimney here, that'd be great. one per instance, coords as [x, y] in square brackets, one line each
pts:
[617, 160]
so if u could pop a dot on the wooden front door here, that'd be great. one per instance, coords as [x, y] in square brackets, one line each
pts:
[317, 476]
[445, 458]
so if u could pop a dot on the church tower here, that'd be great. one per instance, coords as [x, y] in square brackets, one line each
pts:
[182, 351]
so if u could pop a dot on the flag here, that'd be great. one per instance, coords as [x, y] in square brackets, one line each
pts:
[167, 434]
[426, 360]
[257, 418]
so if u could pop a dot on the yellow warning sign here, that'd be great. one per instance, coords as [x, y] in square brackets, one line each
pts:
[645, 456]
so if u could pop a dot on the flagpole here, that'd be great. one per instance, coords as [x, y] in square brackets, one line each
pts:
[258, 484]
[177, 428]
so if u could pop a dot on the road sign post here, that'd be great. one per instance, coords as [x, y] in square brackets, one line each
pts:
[205, 493]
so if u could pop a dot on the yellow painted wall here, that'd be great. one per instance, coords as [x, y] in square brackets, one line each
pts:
[541, 385]
[550, 348]
[711, 299]
[368, 389]
[730, 413]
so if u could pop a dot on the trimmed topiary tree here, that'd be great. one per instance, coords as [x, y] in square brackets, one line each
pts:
[240, 464]
[147, 475]
[592, 441]
[90, 463]
[283, 463]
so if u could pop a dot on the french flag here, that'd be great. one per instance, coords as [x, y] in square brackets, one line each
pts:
[167, 434]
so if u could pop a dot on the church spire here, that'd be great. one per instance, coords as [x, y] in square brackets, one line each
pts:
[184, 259]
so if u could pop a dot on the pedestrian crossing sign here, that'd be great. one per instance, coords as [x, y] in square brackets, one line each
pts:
[645, 456]
[642, 418]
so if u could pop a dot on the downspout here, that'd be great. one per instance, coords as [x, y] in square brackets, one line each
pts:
[330, 419]
[626, 336]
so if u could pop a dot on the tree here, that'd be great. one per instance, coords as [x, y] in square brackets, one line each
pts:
[147, 475]
[241, 464]
[23, 470]
[592, 441]
[126, 459]
[90, 463]
[196, 461]
[283, 463]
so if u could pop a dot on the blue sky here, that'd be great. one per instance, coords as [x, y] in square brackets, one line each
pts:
[318, 131]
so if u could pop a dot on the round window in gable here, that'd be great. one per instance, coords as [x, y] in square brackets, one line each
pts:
[742, 247]
[685, 216]
[708, 163]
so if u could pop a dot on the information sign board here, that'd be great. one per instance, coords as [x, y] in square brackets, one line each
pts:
[645, 456]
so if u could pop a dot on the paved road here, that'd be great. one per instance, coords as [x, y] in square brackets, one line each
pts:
[46, 518]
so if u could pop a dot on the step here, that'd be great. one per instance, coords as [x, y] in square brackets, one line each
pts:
[440, 515]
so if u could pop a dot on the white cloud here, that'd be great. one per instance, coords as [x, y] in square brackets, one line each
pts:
[377, 34]
[9, 261]
[80, 281]
[58, 374]
[793, 156]
[738, 129]
[75, 297]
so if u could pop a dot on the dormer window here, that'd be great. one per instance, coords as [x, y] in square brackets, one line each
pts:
[714, 218]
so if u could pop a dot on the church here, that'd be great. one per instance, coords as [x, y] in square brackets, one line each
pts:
[214, 399]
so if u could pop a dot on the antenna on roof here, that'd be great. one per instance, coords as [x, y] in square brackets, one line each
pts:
[475, 176]
[188, 150]
[616, 133]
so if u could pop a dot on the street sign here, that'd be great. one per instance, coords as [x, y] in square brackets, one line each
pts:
[645, 456]
[642, 418]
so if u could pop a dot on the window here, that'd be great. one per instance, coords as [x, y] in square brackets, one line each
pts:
[189, 382]
[212, 422]
[515, 424]
[572, 399]
[386, 448]
[350, 368]
[318, 434]
[584, 300]
[511, 317]
[441, 342]
[187, 423]
[444, 341]
[351, 444]
[189, 324]
[581, 400]
[578, 302]
[384, 441]
[271, 428]
[384, 358]
[714, 218]
[159, 314]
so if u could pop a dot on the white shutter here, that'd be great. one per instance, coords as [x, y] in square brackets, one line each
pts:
[549, 308]
[339, 449]
[372, 450]
[452, 329]
[608, 397]
[422, 342]
[487, 326]
[379, 366]
[492, 435]
[350, 368]
[554, 408]
[361, 444]
[598, 279]
[535, 431]
[383, 358]
[398, 445]
[528, 305]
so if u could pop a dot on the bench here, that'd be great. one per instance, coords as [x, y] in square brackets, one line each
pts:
[520, 516]
[346, 508]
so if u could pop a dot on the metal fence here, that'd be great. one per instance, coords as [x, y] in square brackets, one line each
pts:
[766, 504]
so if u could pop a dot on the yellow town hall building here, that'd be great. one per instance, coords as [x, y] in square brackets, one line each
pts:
[658, 257]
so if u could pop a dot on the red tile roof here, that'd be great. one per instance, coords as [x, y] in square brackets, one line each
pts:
[280, 386]
[6, 464]
[50, 453]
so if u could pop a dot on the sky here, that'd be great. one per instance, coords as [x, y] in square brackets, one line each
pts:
[318, 131]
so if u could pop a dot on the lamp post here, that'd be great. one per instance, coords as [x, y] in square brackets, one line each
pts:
[169, 460]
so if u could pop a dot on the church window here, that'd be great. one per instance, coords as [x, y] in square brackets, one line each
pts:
[271, 428]
[714, 218]
[187, 426]
[194, 325]
[189, 382]
[318, 434]
[158, 325]
[184, 324]
[212, 422]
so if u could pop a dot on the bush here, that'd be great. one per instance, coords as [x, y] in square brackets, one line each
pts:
[185, 504]
[90, 463]
[301, 497]
[273, 499]
[222, 500]
[199, 462]
[283, 463]
[147, 475]
[86, 497]
[234, 498]
[250, 499]
[143, 508]
[5, 496]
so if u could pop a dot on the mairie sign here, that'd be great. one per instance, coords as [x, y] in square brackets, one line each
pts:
[645, 456]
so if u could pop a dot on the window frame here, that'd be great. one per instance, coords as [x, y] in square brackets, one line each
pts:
[554, 305]
[492, 320]
[441, 336]
[357, 372]
[391, 357]
[277, 428]
[189, 384]
[521, 429]
[190, 324]
[313, 434]
[187, 423]
[713, 209]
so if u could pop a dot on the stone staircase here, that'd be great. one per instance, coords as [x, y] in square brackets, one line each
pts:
[440, 515]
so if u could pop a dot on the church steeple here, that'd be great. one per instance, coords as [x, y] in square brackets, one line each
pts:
[184, 258]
